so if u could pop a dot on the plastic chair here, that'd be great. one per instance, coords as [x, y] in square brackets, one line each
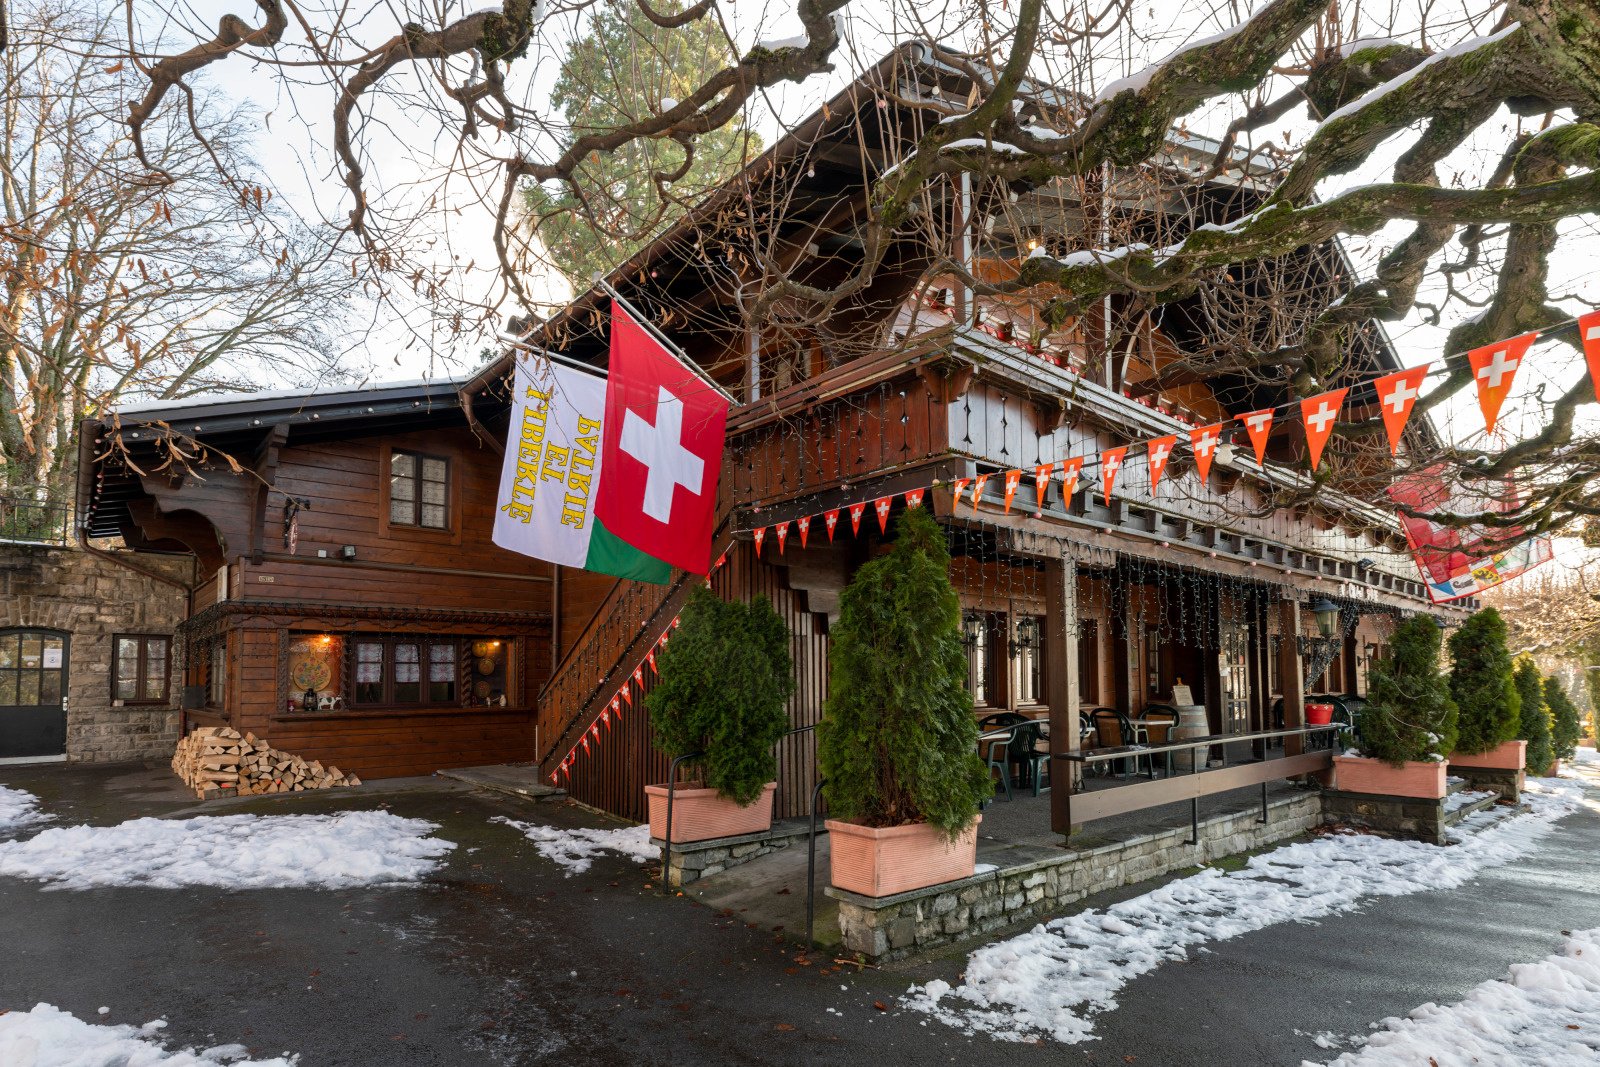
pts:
[1160, 720]
[1111, 730]
[996, 752]
[1025, 751]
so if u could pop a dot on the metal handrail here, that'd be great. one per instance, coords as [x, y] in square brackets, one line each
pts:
[1097, 755]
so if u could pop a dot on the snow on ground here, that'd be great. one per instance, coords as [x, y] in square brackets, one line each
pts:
[577, 848]
[1540, 1013]
[18, 808]
[50, 1037]
[231, 851]
[1053, 980]
[1456, 801]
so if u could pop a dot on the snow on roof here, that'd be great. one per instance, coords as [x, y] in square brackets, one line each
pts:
[214, 399]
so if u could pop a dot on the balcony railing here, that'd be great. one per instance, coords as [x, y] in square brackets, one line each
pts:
[33, 522]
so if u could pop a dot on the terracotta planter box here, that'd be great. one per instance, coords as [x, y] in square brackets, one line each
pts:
[1358, 774]
[1507, 756]
[699, 814]
[897, 859]
[1555, 768]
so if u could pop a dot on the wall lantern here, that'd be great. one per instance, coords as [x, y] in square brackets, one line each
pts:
[1327, 613]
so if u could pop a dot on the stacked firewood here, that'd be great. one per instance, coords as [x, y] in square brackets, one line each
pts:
[219, 761]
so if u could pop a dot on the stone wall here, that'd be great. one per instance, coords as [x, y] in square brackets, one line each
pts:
[691, 861]
[887, 928]
[91, 598]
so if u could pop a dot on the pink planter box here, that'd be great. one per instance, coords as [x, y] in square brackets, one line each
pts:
[1507, 756]
[699, 814]
[1358, 774]
[897, 859]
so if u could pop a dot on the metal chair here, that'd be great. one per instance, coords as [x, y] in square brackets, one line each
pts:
[1160, 719]
[995, 747]
[1111, 730]
[1025, 751]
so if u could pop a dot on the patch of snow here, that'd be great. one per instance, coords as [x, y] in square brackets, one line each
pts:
[1088, 257]
[985, 868]
[668, 103]
[1539, 1013]
[576, 849]
[19, 808]
[979, 142]
[1586, 755]
[780, 43]
[1139, 79]
[1350, 48]
[1053, 980]
[231, 852]
[1377, 93]
[50, 1037]
[1457, 801]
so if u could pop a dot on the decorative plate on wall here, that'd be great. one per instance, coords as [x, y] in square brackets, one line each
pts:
[311, 674]
[482, 648]
[480, 690]
[485, 664]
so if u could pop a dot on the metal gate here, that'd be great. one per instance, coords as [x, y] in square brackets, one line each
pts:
[33, 687]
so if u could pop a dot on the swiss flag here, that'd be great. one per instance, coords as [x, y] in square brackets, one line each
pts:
[1204, 441]
[662, 452]
[803, 524]
[977, 490]
[783, 535]
[1319, 413]
[831, 518]
[1157, 452]
[1070, 469]
[1013, 478]
[961, 484]
[1041, 481]
[856, 511]
[1110, 464]
[760, 535]
[1397, 395]
[914, 498]
[882, 506]
[1258, 424]
[1494, 367]
[1589, 334]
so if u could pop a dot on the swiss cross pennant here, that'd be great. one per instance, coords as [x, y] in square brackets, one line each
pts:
[1110, 464]
[856, 511]
[1589, 334]
[1157, 452]
[1041, 480]
[1013, 479]
[605, 719]
[1070, 469]
[760, 535]
[977, 490]
[961, 485]
[1494, 367]
[881, 506]
[1397, 395]
[914, 498]
[1319, 413]
[1258, 424]
[638, 677]
[803, 524]
[1203, 440]
[650, 658]
[783, 535]
[831, 520]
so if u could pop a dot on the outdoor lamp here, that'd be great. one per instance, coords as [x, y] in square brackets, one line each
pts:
[1327, 613]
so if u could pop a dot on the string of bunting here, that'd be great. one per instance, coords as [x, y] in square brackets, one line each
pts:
[1494, 367]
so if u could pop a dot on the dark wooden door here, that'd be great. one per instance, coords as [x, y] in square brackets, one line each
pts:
[33, 681]
[1233, 668]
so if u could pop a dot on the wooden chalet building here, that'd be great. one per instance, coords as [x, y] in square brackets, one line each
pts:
[352, 554]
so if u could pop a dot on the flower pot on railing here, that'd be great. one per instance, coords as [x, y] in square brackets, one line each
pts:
[880, 862]
[700, 814]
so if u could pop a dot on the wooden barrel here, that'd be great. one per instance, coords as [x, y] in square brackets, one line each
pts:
[1192, 722]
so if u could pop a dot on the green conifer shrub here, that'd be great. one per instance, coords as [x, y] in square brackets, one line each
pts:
[1409, 716]
[725, 679]
[898, 743]
[1566, 726]
[1534, 716]
[1481, 684]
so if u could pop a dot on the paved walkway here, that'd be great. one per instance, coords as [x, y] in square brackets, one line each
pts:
[499, 958]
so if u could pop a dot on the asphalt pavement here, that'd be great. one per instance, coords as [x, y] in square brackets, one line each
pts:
[500, 958]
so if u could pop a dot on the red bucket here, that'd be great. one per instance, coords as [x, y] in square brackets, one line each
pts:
[1319, 714]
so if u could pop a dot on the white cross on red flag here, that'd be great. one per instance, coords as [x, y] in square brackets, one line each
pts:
[783, 535]
[882, 506]
[1204, 441]
[1070, 469]
[914, 498]
[1397, 395]
[803, 524]
[1041, 480]
[1157, 453]
[961, 484]
[1013, 479]
[831, 518]
[856, 511]
[977, 490]
[1110, 464]
[1258, 424]
[760, 536]
[1494, 368]
[1319, 413]
[1589, 334]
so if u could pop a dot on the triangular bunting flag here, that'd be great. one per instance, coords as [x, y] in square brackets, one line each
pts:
[585, 743]
[1589, 334]
[831, 520]
[722, 559]
[882, 506]
[977, 490]
[616, 705]
[638, 677]
[1204, 441]
[1070, 469]
[1041, 481]
[1397, 395]
[856, 511]
[1319, 414]
[650, 658]
[783, 535]
[1013, 478]
[803, 524]
[1157, 452]
[605, 719]
[914, 498]
[1494, 367]
[627, 693]
[1258, 424]
[1110, 464]
[761, 535]
[961, 484]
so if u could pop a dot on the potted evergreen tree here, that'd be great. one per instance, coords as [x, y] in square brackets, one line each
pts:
[1408, 722]
[1534, 719]
[1566, 726]
[898, 744]
[1490, 710]
[724, 680]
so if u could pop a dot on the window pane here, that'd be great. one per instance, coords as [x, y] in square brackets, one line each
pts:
[441, 663]
[50, 687]
[403, 465]
[402, 489]
[400, 511]
[8, 687]
[127, 668]
[433, 516]
[8, 650]
[28, 688]
[155, 668]
[32, 650]
[433, 470]
[407, 674]
[433, 492]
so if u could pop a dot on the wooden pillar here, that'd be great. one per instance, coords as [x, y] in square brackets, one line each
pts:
[1290, 675]
[1061, 683]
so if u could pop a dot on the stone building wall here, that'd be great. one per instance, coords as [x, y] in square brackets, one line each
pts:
[91, 599]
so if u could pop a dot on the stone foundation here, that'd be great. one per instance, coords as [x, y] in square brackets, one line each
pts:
[1412, 817]
[887, 928]
[1505, 782]
[691, 861]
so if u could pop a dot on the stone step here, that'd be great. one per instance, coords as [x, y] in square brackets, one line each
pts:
[1455, 784]
[1458, 809]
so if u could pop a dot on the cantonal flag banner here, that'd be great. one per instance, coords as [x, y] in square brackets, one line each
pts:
[1463, 562]
[663, 453]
